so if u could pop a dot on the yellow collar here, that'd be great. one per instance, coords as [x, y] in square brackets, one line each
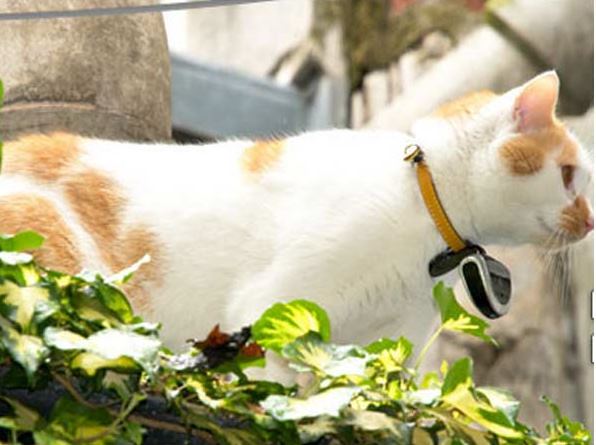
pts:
[413, 153]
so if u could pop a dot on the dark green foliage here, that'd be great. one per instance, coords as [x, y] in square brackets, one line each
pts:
[79, 333]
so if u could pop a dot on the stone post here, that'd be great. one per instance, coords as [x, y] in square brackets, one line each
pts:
[99, 76]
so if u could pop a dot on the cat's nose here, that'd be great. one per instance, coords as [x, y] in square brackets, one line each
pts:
[589, 224]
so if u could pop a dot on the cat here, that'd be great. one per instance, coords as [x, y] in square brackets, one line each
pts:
[333, 216]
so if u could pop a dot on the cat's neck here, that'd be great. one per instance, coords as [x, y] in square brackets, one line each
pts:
[451, 166]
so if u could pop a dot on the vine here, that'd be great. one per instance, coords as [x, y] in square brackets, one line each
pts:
[77, 366]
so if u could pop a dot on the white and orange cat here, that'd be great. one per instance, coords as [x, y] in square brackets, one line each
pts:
[332, 216]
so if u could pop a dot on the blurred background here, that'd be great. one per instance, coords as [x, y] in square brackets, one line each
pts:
[280, 67]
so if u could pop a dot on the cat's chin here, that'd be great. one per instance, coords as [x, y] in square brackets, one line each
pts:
[553, 249]
[558, 244]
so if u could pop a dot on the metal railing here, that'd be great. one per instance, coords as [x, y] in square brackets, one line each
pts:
[121, 10]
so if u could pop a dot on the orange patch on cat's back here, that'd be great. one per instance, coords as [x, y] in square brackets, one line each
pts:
[98, 203]
[465, 105]
[30, 212]
[262, 155]
[526, 154]
[44, 157]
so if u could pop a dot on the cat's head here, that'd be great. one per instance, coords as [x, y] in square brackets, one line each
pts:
[529, 178]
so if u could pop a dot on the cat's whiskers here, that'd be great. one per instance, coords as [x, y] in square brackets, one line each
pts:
[556, 260]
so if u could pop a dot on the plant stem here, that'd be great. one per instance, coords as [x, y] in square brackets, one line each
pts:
[427, 346]
[126, 413]
[65, 382]
[112, 428]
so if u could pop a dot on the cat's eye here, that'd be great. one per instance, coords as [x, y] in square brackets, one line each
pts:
[567, 172]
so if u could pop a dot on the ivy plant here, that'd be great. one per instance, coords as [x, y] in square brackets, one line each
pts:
[78, 334]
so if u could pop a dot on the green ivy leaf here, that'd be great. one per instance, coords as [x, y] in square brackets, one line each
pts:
[110, 296]
[91, 309]
[71, 422]
[115, 300]
[133, 432]
[329, 403]
[202, 389]
[426, 397]
[502, 400]
[63, 339]
[372, 421]
[456, 318]
[108, 348]
[113, 344]
[27, 240]
[460, 374]
[283, 323]
[310, 353]
[47, 438]
[22, 418]
[563, 430]
[27, 350]
[91, 363]
[122, 385]
[21, 304]
[15, 258]
[431, 380]
[18, 267]
[391, 354]
[458, 392]
[311, 432]
[492, 419]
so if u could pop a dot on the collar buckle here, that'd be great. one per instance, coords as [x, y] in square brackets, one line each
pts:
[413, 153]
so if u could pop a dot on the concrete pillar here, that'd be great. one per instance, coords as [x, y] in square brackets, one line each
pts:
[99, 76]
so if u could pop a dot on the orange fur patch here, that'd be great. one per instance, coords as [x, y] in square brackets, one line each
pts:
[98, 203]
[59, 251]
[465, 105]
[135, 243]
[526, 154]
[574, 217]
[44, 157]
[262, 155]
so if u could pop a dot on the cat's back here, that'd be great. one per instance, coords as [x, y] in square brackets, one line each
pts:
[61, 158]
[219, 213]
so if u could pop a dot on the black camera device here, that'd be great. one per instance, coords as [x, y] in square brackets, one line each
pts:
[487, 280]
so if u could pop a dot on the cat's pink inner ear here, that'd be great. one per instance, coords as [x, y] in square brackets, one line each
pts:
[535, 106]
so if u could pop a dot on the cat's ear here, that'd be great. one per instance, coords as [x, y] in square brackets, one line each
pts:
[535, 105]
